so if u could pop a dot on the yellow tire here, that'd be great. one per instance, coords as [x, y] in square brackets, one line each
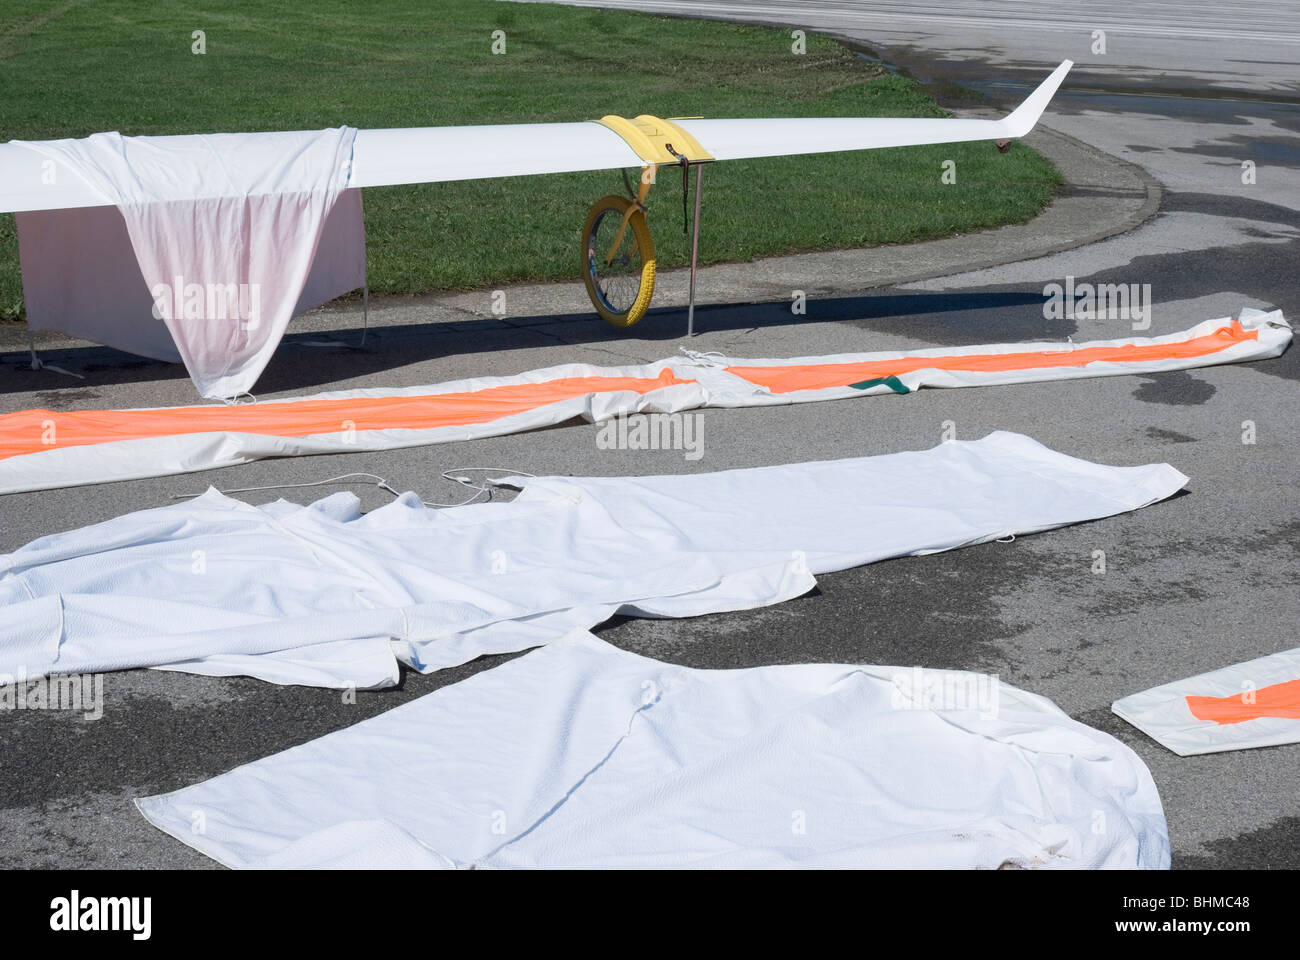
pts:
[621, 288]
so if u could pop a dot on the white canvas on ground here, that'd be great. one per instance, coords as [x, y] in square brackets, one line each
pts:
[580, 755]
[215, 585]
[1251, 704]
[95, 446]
[1260, 335]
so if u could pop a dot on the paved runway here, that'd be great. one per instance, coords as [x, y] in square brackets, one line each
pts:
[1201, 581]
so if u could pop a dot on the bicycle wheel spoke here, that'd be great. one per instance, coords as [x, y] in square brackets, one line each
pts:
[618, 282]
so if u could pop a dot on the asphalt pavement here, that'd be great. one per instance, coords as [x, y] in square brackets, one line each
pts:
[1200, 581]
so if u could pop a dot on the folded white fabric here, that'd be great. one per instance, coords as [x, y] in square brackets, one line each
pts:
[325, 595]
[582, 755]
[1251, 704]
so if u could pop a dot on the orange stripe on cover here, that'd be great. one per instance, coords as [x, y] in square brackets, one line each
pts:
[1278, 700]
[31, 431]
[823, 375]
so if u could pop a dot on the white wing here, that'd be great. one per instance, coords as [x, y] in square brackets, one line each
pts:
[31, 180]
[736, 139]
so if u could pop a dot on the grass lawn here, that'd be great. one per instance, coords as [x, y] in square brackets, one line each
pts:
[291, 65]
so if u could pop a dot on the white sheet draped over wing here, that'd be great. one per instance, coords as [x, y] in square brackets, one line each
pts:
[31, 180]
[224, 229]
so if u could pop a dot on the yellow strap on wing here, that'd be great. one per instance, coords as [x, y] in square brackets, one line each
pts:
[651, 136]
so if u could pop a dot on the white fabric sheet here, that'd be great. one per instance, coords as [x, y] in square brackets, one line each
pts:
[218, 586]
[206, 215]
[120, 455]
[1251, 704]
[81, 276]
[582, 755]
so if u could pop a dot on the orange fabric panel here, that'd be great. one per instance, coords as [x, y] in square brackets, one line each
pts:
[22, 432]
[1277, 700]
[822, 376]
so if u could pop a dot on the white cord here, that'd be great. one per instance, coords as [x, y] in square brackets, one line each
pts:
[1068, 347]
[479, 488]
[711, 358]
[379, 482]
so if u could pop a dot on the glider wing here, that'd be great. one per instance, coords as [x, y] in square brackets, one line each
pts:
[737, 139]
[32, 178]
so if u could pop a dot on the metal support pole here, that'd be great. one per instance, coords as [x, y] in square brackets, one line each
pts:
[695, 252]
[365, 311]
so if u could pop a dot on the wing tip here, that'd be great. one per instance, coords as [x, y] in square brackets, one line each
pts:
[1024, 118]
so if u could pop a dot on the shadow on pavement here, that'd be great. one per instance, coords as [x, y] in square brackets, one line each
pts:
[933, 317]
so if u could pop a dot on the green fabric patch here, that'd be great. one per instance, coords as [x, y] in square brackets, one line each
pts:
[893, 383]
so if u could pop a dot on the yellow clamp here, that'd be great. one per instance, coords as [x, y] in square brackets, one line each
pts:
[650, 138]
